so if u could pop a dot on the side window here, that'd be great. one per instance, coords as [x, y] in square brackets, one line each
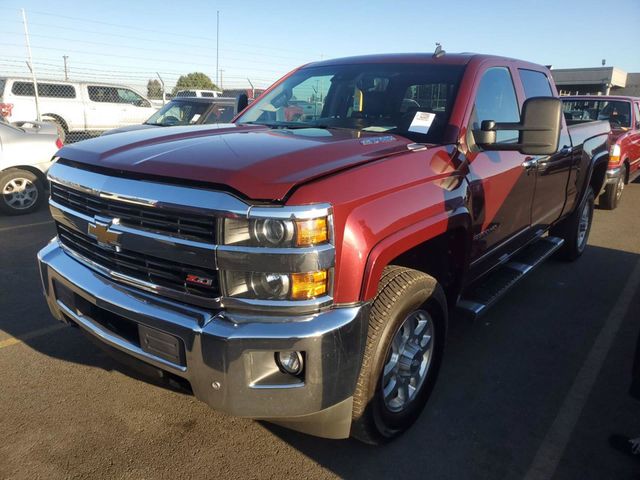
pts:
[23, 89]
[496, 100]
[103, 94]
[637, 115]
[129, 96]
[536, 84]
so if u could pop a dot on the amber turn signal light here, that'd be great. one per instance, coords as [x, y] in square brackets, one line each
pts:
[311, 232]
[308, 285]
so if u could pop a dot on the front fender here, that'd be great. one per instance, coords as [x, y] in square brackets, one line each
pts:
[400, 242]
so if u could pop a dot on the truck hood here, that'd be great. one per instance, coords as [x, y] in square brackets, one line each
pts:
[259, 162]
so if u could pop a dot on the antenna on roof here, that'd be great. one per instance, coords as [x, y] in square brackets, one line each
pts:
[439, 52]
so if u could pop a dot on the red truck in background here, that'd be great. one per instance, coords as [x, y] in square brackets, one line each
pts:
[623, 113]
[303, 270]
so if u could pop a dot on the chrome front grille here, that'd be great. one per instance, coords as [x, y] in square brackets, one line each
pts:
[171, 222]
[146, 268]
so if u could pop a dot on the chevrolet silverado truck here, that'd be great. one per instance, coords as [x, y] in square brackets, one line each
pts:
[623, 113]
[303, 271]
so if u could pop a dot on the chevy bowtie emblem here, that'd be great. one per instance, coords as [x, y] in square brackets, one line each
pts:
[105, 237]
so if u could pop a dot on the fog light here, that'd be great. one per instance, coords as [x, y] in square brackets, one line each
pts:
[290, 362]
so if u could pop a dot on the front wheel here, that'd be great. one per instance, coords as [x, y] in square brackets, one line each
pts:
[21, 192]
[405, 343]
[575, 229]
[612, 194]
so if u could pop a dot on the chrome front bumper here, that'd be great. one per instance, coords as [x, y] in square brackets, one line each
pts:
[612, 175]
[227, 359]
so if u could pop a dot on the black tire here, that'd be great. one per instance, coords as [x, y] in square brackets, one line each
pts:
[60, 127]
[569, 229]
[12, 181]
[612, 194]
[401, 293]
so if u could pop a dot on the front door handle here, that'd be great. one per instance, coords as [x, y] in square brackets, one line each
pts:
[530, 163]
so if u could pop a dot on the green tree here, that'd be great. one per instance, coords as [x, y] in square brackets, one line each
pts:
[195, 80]
[154, 89]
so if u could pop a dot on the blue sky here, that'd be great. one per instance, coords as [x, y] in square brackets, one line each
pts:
[128, 41]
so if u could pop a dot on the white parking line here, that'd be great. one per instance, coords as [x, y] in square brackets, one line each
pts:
[36, 333]
[25, 226]
[555, 441]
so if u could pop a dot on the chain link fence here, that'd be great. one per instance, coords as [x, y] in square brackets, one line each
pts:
[86, 109]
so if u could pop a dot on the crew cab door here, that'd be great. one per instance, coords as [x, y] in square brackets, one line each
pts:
[551, 172]
[502, 191]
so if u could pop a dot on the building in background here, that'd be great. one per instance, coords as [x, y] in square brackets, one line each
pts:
[596, 81]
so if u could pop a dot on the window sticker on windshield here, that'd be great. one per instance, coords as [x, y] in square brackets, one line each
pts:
[422, 122]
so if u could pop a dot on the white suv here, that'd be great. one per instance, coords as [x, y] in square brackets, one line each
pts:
[73, 106]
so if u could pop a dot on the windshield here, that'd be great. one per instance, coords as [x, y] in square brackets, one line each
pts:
[617, 112]
[178, 113]
[413, 100]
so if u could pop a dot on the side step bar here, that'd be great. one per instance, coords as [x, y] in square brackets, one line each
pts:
[480, 296]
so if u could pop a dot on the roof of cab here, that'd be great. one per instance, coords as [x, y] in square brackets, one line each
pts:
[601, 97]
[428, 58]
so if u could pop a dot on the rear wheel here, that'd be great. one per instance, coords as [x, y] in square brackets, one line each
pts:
[575, 229]
[21, 192]
[612, 194]
[402, 357]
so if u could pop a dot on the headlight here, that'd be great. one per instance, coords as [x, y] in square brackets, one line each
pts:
[614, 153]
[275, 233]
[277, 286]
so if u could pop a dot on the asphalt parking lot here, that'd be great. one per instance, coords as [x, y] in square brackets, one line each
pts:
[533, 390]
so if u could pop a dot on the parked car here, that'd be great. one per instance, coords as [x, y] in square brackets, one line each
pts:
[623, 113]
[73, 106]
[26, 151]
[198, 93]
[303, 271]
[187, 111]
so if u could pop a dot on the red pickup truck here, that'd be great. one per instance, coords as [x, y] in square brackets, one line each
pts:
[304, 271]
[623, 113]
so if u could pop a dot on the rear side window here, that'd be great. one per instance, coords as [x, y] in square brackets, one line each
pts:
[49, 90]
[3, 82]
[103, 94]
[637, 112]
[536, 84]
[496, 100]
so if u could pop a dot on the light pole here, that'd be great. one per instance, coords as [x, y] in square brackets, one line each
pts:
[66, 70]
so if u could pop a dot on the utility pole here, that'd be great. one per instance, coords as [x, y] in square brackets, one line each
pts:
[164, 95]
[217, 43]
[30, 64]
[220, 85]
[66, 70]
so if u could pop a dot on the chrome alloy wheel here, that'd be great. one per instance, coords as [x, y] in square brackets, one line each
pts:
[408, 361]
[583, 225]
[620, 187]
[20, 193]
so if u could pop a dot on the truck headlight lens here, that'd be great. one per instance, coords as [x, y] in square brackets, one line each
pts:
[269, 285]
[275, 233]
[272, 232]
[614, 153]
[277, 286]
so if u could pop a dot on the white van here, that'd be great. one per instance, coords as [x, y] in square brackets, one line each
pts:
[73, 106]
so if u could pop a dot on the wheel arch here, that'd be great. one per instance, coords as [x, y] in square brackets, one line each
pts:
[440, 249]
[55, 116]
[29, 168]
